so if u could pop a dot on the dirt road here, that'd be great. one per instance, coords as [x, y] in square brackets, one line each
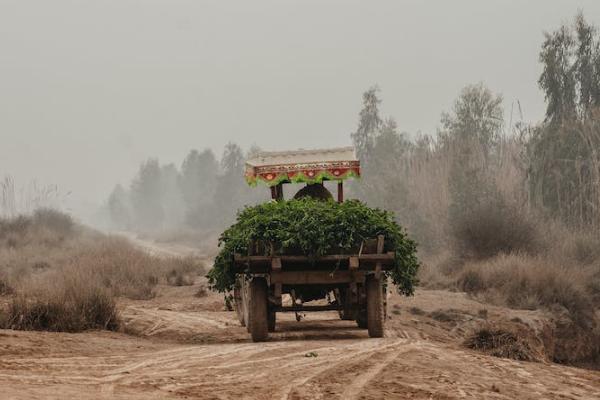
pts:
[178, 346]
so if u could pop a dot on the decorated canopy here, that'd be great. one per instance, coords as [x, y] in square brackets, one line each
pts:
[307, 166]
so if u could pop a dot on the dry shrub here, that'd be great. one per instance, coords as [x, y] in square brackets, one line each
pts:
[120, 267]
[5, 287]
[521, 281]
[183, 271]
[580, 247]
[493, 227]
[53, 220]
[507, 342]
[526, 282]
[447, 316]
[45, 227]
[202, 291]
[68, 301]
[67, 278]
[93, 310]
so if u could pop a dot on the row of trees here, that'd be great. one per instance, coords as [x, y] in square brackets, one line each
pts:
[432, 182]
[202, 194]
[563, 158]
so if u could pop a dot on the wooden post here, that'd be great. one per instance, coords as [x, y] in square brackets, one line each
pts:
[340, 192]
[280, 192]
[274, 192]
[380, 243]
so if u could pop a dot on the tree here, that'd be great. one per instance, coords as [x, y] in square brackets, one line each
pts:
[368, 125]
[562, 152]
[171, 196]
[119, 208]
[231, 187]
[570, 78]
[199, 173]
[470, 135]
[146, 195]
[477, 116]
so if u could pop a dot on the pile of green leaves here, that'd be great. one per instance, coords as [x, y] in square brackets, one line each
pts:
[314, 228]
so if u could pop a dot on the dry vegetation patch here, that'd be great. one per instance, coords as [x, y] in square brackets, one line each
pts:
[507, 342]
[60, 276]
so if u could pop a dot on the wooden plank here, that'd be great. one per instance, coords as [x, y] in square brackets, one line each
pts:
[278, 290]
[315, 277]
[266, 260]
[276, 264]
[353, 262]
[297, 308]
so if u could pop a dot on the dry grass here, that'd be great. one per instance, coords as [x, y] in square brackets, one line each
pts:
[527, 282]
[495, 227]
[63, 277]
[566, 290]
[184, 271]
[507, 342]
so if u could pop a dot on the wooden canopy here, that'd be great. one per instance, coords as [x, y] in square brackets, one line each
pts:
[307, 166]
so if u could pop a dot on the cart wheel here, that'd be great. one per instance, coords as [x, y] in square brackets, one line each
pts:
[341, 297]
[238, 303]
[245, 307]
[257, 310]
[361, 319]
[375, 307]
[272, 319]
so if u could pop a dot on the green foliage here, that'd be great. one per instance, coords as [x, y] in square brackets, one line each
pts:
[315, 228]
[476, 115]
[571, 76]
[368, 125]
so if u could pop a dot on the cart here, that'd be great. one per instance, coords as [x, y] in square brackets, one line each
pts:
[353, 284]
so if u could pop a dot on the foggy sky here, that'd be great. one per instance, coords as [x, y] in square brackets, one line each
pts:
[89, 89]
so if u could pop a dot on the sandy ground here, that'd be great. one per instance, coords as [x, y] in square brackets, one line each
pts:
[180, 346]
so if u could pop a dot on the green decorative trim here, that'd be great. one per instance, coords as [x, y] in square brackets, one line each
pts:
[301, 178]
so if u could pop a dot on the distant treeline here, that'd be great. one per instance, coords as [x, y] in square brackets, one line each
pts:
[202, 194]
[440, 186]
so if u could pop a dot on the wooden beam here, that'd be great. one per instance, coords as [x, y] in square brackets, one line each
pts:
[276, 264]
[296, 308]
[315, 277]
[384, 258]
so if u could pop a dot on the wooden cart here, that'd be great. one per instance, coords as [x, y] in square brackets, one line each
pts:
[352, 284]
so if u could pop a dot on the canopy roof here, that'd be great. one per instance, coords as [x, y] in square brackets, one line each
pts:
[308, 166]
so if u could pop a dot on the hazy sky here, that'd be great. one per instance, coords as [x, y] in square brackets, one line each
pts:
[89, 89]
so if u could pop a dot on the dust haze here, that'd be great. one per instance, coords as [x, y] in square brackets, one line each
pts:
[88, 90]
[137, 260]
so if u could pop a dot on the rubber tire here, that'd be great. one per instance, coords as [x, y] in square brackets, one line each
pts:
[342, 299]
[258, 323]
[272, 321]
[361, 319]
[375, 307]
[238, 303]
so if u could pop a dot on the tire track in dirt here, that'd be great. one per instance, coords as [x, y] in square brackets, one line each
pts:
[292, 390]
[170, 359]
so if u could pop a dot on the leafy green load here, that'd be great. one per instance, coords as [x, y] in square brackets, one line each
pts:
[314, 228]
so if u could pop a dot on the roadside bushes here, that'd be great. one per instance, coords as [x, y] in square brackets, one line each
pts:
[67, 310]
[45, 226]
[514, 342]
[183, 271]
[525, 282]
[315, 228]
[60, 276]
[492, 227]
